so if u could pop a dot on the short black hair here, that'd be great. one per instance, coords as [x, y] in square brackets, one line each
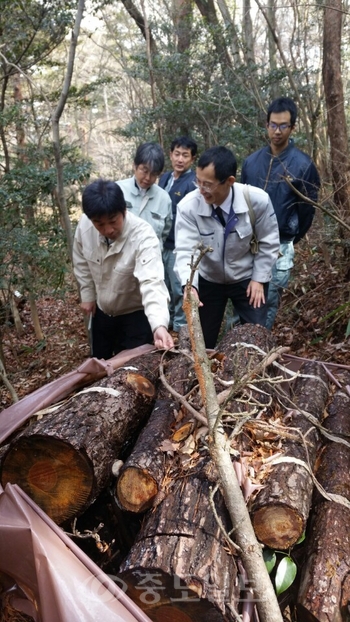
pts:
[152, 155]
[103, 198]
[283, 104]
[223, 160]
[186, 143]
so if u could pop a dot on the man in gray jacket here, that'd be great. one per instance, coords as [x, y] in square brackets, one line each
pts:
[217, 214]
[118, 265]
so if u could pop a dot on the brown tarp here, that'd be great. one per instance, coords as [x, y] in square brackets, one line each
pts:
[47, 576]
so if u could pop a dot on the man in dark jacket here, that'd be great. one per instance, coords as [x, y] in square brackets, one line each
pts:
[177, 183]
[268, 169]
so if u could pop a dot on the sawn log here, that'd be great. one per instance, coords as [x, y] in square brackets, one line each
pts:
[140, 479]
[324, 593]
[64, 460]
[281, 509]
[179, 569]
[141, 476]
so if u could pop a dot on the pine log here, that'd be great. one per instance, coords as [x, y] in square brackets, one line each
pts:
[64, 460]
[240, 352]
[179, 568]
[281, 509]
[324, 593]
[141, 477]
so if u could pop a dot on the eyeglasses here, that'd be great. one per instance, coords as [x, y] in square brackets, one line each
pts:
[282, 127]
[144, 170]
[207, 187]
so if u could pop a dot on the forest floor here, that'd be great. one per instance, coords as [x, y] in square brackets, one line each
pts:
[313, 322]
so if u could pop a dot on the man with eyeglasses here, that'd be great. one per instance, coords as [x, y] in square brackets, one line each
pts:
[144, 198]
[217, 215]
[268, 168]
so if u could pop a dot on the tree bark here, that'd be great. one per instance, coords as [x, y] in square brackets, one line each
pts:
[336, 120]
[64, 460]
[56, 128]
[179, 568]
[208, 12]
[141, 477]
[281, 509]
[325, 583]
[35, 317]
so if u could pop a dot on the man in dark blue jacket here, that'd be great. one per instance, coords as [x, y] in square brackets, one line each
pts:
[177, 183]
[268, 169]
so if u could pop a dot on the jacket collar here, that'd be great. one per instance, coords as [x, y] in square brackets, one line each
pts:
[135, 190]
[239, 205]
[284, 154]
[118, 244]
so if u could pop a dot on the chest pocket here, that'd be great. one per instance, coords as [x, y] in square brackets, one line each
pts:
[157, 222]
[122, 278]
[244, 228]
[95, 262]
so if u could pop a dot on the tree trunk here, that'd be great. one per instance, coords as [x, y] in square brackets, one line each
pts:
[35, 317]
[7, 383]
[65, 459]
[56, 128]
[281, 509]
[271, 12]
[179, 568]
[325, 586]
[208, 12]
[15, 314]
[249, 54]
[336, 120]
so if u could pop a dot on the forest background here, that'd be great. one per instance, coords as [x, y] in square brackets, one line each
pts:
[82, 84]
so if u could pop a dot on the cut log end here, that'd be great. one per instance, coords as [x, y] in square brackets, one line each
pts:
[140, 384]
[278, 526]
[57, 477]
[136, 490]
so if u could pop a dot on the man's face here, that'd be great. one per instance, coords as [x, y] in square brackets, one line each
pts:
[279, 129]
[109, 226]
[213, 190]
[181, 160]
[144, 176]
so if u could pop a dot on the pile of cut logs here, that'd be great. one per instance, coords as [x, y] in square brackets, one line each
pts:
[136, 432]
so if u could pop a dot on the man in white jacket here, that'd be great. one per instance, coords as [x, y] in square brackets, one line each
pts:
[143, 196]
[217, 215]
[118, 265]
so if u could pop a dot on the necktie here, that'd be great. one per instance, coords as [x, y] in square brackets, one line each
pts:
[220, 215]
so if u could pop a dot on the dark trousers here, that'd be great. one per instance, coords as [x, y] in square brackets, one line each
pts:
[214, 297]
[111, 335]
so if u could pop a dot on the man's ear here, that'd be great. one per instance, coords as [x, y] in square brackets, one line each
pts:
[231, 180]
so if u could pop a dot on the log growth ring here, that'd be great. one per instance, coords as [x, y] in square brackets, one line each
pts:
[278, 526]
[136, 490]
[56, 476]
